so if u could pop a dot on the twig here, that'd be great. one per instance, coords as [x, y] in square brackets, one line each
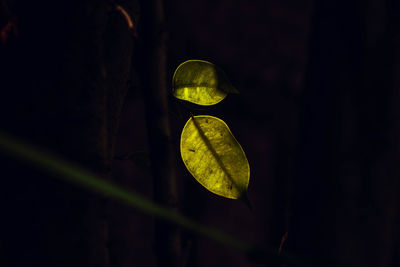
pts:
[129, 21]
[283, 240]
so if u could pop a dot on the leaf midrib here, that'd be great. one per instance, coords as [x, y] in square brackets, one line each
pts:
[215, 154]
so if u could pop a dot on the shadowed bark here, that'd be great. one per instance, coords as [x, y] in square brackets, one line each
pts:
[65, 79]
[346, 176]
[162, 151]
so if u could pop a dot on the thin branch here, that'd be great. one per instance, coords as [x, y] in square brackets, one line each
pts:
[283, 240]
[126, 16]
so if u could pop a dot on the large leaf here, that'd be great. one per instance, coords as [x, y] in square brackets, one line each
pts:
[214, 157]
[201, 82]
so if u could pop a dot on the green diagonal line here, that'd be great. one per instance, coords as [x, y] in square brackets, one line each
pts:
[70, 172]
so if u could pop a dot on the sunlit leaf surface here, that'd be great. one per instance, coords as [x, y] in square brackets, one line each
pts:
[214, 157]
[201, 82]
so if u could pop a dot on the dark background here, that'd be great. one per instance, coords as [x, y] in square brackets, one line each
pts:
[317, 117]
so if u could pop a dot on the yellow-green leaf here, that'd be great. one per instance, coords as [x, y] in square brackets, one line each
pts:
[201, 82]
[214, 157]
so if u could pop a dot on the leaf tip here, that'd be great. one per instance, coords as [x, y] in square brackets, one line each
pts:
[234, 91]
[246, 201]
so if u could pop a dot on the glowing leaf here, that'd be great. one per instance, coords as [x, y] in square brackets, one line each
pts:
[214, 157]
[201, 82]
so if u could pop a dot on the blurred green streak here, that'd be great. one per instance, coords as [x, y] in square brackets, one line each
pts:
[70, 172]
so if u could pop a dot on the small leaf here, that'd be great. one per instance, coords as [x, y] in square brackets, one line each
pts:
[201, 82]
[214, 157]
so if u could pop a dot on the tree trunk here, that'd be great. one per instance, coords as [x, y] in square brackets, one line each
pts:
[65, 78]
[345, 188]
[163, 154]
